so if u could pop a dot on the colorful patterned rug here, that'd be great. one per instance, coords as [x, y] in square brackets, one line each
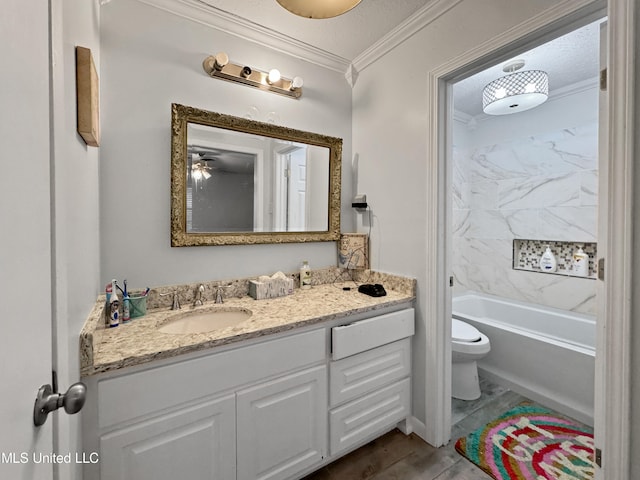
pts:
[530, 442]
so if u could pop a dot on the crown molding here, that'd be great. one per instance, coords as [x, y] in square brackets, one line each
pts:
[205, 14]
[404, 31]
[462, 117]
[575, 88]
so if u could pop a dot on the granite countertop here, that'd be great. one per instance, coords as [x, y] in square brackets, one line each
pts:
[140, 341]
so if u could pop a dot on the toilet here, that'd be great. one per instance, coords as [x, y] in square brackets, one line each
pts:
[467, 346]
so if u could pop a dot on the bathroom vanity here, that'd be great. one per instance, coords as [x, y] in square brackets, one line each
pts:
[267, 400]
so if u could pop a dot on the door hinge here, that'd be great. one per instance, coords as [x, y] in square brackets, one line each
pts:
[603, 79]
[599, 457]
[451, 281]
[601, 269]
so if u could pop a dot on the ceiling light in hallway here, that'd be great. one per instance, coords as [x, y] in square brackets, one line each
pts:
[515, 92]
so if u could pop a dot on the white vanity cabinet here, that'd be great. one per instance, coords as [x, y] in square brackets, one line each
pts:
[274, 409]
[257, 411]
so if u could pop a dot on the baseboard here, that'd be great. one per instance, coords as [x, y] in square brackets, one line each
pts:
[417, 427]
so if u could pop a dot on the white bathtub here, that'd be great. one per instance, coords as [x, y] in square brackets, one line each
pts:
[543, 353]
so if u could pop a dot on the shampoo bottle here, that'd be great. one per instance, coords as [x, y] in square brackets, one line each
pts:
[305, 276]
[580, 263]
[114, 305]
[548, 261]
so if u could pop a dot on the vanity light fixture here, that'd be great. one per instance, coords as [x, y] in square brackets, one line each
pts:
[515, 92]
[318, 8]
[219, 66]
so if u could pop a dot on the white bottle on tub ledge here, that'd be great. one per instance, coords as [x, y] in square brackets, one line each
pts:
[548, 262]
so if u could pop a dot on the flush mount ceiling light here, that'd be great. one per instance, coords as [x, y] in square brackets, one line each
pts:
[515, 92]
[318, 8]
[219, 66]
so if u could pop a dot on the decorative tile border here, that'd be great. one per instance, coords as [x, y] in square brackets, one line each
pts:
[527, 253]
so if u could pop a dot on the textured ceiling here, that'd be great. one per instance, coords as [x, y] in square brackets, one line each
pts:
[346, 36]
[568, 60]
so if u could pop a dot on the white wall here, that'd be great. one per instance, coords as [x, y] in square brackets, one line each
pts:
[390, 139]
[149, 59]
[76, 240]
[635, 328]
[531, 175]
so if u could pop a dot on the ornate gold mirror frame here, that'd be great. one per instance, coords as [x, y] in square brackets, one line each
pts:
[182, 116]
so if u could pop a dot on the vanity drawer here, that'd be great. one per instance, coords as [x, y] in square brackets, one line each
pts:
[368, 416]
[359, 374]
[364, 335]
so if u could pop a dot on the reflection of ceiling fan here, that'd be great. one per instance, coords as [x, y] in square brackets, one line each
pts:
[199, 167]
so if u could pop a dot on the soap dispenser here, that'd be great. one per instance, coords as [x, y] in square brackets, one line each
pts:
[305, 276]
[548, 262]
[580, 263]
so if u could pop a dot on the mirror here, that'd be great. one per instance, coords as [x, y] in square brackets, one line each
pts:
[238, 181]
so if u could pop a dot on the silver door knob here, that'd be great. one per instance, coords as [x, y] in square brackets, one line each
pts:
[47, 401]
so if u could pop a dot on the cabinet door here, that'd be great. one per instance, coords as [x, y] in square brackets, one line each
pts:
[195, 442]
[282, 425]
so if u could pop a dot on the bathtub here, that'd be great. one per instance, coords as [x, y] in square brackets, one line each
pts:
[543, 353]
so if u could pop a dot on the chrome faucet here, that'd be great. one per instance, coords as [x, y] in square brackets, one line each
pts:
[219, 290]
[175, 304]
[199, 296]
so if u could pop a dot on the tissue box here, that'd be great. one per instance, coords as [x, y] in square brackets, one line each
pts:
[271, 288]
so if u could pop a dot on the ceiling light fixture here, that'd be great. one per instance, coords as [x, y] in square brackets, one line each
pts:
[515, 92]
[318, 8]
[219, 66]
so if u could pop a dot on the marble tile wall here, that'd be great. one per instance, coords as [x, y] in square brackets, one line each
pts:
[540, 187]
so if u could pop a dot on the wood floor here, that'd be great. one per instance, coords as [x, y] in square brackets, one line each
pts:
[395, 456]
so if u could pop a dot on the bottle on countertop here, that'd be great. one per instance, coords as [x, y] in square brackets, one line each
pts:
[580, 263]
[126, 311]
[548, 262]
[114, 305]
[305, 276]
[107, 292]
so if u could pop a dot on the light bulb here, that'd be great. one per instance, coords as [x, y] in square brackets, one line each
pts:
[221, 59]
[530, 88]
[501, 92]
[274, 75]
[296, 83]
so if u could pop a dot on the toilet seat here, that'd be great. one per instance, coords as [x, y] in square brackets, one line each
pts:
[463, 332]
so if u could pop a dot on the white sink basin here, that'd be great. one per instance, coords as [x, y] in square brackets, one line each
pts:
[205, 321]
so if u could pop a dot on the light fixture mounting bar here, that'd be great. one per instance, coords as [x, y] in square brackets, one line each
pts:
[251, 77]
